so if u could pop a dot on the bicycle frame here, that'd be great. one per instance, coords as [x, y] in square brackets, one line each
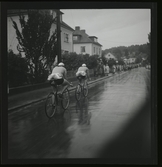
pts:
[82, 82]
[55, 92]
[55, 102]
[57, 97]
[80, 86]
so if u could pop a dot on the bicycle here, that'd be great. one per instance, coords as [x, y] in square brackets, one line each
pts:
[81, 88]
[52, 100]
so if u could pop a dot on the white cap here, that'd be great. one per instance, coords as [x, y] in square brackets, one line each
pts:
[61, 64]
[83, 65]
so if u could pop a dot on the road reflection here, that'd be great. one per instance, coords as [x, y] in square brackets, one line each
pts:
[111, 131]
[83, 114]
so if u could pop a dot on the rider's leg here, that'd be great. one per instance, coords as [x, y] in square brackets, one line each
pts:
[53, 84]
[54, 90]
[64, 85]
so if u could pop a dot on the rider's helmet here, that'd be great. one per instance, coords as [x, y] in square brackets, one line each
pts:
[83, 65]
[61, 64]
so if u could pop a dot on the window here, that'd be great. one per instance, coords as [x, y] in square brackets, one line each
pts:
[82, 49]
[95, 39]
[75, 38]
[64, 51]
[66, 37]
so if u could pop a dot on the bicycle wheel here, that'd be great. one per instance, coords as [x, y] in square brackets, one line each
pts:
[65, 100]
[85, 89]
[50, 105]
[78, 92]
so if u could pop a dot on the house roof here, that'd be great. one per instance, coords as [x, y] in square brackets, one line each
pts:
[93, 37]
[16, 12]
[109, 55]
[84, 38]
[66, 26]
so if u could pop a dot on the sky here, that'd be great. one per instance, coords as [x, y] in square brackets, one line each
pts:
[112, 27]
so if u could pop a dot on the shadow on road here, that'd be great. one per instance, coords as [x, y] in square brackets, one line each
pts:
[135, 144]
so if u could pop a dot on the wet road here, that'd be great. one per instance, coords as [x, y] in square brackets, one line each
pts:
[113, 112]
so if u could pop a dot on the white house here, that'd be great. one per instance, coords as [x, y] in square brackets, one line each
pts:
[85, 44]
[129, 60]
[66, 31]
[132, 60]
[110, 56]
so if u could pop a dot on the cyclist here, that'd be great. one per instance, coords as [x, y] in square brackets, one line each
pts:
[83, 72]
[58, 77]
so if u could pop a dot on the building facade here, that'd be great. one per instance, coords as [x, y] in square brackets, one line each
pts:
[85, 44]
[66, 31]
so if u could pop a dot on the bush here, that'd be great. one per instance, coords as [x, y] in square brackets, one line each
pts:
[111, 62]
[73, 61]
[17, 70]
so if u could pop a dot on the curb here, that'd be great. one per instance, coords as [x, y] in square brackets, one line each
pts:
[70, 89]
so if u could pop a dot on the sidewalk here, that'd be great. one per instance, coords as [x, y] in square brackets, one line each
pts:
[28, 98]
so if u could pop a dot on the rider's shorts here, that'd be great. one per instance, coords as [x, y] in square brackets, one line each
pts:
[58, 79]
[81, 73]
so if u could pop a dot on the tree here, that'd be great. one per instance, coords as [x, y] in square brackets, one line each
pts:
[126, 53]
[111, 62]
[149, 46]
[121, 62]
[17, 70]
[73, 60]
[117, 53]
[37, 42]
[139, 58]
[92, 61]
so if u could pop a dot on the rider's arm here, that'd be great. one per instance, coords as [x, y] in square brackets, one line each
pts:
[49, 77]
[65, 74]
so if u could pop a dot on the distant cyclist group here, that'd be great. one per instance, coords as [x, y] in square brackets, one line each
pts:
[58, 78]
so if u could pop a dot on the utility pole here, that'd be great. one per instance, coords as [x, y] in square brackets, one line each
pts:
[58, 36]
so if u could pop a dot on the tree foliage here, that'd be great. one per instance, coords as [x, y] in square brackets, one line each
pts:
[111, 62]
[93, 61]
[149, 47]
[37, 42]
[73, 60]
[17, 70]
[133, 51]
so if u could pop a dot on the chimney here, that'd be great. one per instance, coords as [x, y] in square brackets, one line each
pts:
[83, 31]
[77, 28]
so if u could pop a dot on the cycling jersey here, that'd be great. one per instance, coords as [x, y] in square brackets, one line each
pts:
[58, 74]
[82, 71]
[60, 70]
